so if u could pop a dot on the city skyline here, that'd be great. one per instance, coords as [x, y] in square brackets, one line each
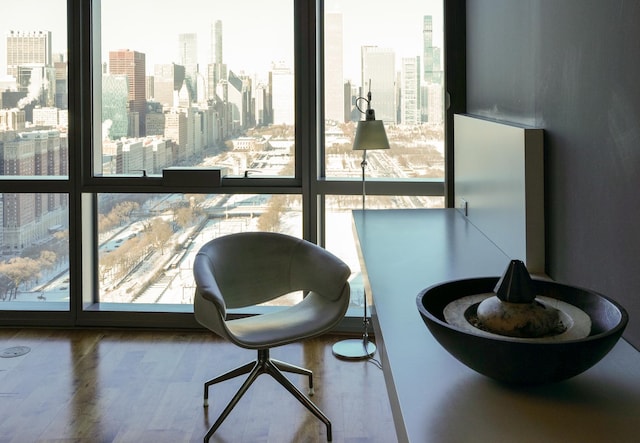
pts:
[364, 24]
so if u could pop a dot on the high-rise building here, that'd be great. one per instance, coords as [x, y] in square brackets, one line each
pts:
[261, 109]
[133, 65]
[378, 73]
[239, 100]
[434, 97]
[333, 71]
[216, 70]
[188, 57]
[432, 91]
[61, 94]
[167, 82]
[188, 52]
[115, 104]
[282, 94]
[149, 88]
[216, 42]
[26, 48]
[176, 130]
[431, 59]
[409, 91]
[30, 62]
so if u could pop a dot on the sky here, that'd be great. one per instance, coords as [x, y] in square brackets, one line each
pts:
[255, 32]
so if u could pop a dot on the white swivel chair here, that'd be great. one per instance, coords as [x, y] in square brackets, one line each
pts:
[245, 269]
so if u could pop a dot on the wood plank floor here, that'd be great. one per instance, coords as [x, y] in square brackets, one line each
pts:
[77, 386]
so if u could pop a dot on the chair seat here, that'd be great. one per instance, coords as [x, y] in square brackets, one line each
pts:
[287, 325]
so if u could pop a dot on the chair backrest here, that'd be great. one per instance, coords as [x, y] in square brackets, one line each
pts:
[250, 268]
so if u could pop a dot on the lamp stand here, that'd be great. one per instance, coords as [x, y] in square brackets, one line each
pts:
[358, 348]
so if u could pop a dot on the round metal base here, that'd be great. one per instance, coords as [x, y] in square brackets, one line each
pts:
[354, 348]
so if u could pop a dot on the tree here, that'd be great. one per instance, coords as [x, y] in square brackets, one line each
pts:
[159, 234]
[270, 219]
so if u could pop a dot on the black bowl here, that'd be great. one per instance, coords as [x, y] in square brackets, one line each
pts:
[521, 361]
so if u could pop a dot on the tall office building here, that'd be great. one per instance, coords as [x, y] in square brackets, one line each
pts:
[431, 59]
[282, 94]
[333, 71]
[115, 92]
[30, 62]
[239, 101]
[167, 82]
[176, 129]
[133, 65]
[188, 57]
[432, 91]
[378, 72]
[216, 70]
[434, 96]
[61, 93]
[410, 91]
[188, 52]
[261, 110]
[216, 42]
[27, 48]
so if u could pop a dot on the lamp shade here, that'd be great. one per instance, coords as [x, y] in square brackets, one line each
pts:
[370, 134]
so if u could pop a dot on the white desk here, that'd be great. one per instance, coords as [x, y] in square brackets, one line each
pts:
[435, 398]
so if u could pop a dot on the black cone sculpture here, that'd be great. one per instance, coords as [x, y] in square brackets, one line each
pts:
[515, 285]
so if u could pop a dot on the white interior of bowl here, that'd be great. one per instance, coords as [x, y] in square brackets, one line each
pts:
[576, 321]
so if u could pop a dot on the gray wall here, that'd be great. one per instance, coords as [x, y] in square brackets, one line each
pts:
[572, 67]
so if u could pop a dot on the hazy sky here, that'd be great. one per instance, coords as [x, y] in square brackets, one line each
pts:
[255, 32]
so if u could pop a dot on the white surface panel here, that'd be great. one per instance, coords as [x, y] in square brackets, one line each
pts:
[499, 173]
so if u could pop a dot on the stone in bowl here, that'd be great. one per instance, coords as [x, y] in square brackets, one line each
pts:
[519, 360]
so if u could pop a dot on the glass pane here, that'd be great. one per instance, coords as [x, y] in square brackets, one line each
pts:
[147, 242]
[340, 236]
[34, 265]
[33, 89]
[206, 83]
[396, 54]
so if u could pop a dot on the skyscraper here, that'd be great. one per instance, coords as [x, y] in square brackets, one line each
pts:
[115, 91]
[188, 52]
[167, 81]
[409, 91]
[378, 70]
[30, 62]
[432, 91]
[188, 57]
[26, 48]
[216, 42]
[216, 70]
[133, 65]
[431, 59]
[333, 72]
[282, 87]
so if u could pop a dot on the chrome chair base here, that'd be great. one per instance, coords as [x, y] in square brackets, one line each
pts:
[264, 365]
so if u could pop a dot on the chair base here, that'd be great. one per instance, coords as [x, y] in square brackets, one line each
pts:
[264, 365]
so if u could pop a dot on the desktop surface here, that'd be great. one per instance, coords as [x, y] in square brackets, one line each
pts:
[434, 397]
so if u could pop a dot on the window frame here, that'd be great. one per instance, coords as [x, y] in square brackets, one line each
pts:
[83, 31]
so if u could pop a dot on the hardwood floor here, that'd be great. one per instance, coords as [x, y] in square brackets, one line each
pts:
[147, 386]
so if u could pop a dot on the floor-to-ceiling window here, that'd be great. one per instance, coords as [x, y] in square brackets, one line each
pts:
[35, 191]
[248, 88]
